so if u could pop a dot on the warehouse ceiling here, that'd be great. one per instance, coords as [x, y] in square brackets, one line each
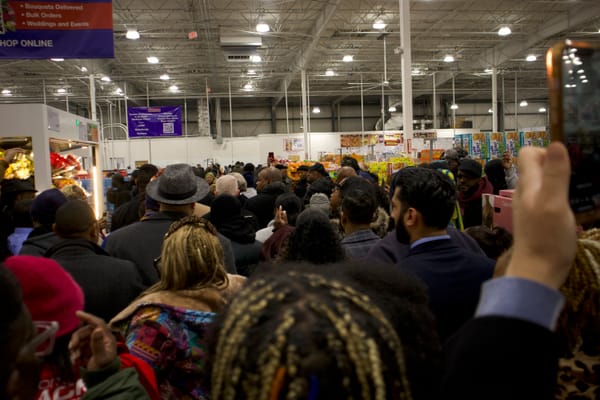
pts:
[206, 46]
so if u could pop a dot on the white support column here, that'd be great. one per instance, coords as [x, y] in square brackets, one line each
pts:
[494, 100]
[434, 106]
[92, 98]
[406, 62]
[304, 114]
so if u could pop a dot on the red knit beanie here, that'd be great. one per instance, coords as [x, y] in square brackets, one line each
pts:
[49, 292]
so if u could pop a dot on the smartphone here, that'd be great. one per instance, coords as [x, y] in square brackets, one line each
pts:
[573, 70]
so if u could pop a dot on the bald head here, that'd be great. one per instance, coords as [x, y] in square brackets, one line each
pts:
[75, 219]
[267, 176]
[227, 184]
[344, 173]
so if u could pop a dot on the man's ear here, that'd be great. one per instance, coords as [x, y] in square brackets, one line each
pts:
[411, 217]
[343, 218]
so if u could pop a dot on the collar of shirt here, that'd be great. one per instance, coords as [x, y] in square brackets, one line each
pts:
[428, 239]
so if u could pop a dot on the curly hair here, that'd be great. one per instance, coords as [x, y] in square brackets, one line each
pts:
[191, 257]
[299, 334]
[314, 240]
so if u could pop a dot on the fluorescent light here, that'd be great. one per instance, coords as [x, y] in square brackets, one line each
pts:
[316, 110]
[392, 109]
[58, 59]
[165, 77]
[488, 71]
[61, 91]
[531, 58]
[504, 31]
[542, 109]
[523, 103]
[490, 111]
[6, 91]
[348, 58]
[255, 58]
[83, 69]
[379, 24]
[448, 58]
[173, 88]
[329, 72]
[248, 86]
[132, 34]
[454, 106]
[262, 27]
[119, 91]
[251, 72]
[152, 60]
[105, 79]
[416, 71]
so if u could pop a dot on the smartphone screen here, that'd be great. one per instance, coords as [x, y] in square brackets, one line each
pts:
[575, 94]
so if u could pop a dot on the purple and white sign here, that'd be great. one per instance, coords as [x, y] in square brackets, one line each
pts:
[56, 29]
[154, 121]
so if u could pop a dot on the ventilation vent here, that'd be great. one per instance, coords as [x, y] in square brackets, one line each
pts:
[232, 57]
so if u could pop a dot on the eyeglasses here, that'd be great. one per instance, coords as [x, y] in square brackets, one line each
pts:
[42, 343]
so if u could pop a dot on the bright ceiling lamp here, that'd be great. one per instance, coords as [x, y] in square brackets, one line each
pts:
[542, 109]
[165, 77]
[329, 72]
[448, 58]
[173, 88]
[152, 60]
[523, 103]
[316, 110]
[61, 91]
[392, 109]
[531, 58]
[57, 59]
[83, 69]
[348, 58]
[251, 72]
[255, 58]
[105, 79]
[504, 31]
[261, 27]
[454, 106]
[379, 24]
[119, 91]
[248, 86]
[6, 92]
[491, 111]
[132, 34]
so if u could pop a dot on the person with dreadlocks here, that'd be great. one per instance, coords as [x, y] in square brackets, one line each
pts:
[165, 326]
[301, 333]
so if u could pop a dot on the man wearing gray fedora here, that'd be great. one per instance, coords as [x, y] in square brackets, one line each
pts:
[177, 190]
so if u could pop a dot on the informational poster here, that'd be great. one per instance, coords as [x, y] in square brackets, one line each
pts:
[56, 29]
[479, 146]
[154, 121]
[293, 145]
[513, 143]
[393, 139]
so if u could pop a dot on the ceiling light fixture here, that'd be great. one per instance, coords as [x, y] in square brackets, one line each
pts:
[531, 58]
[165, 77]
[523, 103]
[152, 60]
[248, 86]
[448, 58]
[255, 58]
[454, 106]
[504, 31]
[105, 79]
[83, 69]
[348, 58]
[392, 109]
[316, 110]
[57, 59]
[132, 34]
[329, 72]
[490, 111]
[542, 109]
[173, 88]
[379, 24]
[61, 91]
[6, 92]
[261, 27]
[119, 91]
[251, 72]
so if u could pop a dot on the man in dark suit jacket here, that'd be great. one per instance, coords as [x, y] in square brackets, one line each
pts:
[453, 275]
[109, 284]
[268, 186]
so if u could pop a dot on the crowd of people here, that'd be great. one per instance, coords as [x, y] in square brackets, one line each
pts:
[239, 282]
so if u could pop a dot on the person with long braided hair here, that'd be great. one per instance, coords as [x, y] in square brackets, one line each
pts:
[165, 326]
[297, 332]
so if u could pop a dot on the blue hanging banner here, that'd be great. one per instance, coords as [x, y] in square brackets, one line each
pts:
[154, 121]
[56, 29]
